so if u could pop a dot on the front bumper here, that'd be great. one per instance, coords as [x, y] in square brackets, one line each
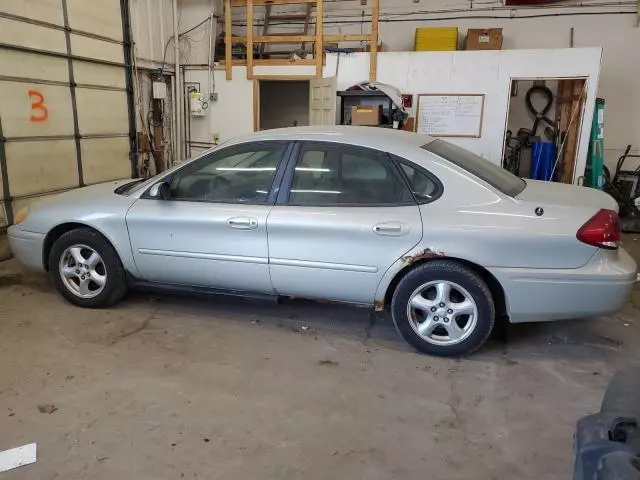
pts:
[27, 247]
[600, 287]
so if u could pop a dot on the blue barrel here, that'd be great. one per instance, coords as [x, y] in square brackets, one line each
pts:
[543, 156]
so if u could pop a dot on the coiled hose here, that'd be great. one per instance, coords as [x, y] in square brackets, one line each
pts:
[542, 114]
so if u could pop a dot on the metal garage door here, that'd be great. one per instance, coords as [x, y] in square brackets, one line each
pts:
[65, 98]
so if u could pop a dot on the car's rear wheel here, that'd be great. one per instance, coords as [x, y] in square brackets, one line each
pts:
[443, 308]
[86, 269]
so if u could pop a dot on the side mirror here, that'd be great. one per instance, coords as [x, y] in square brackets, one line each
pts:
[160, 190]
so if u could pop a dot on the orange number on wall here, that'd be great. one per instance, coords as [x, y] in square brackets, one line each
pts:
[39, 112]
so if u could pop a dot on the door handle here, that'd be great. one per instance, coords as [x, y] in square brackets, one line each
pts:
[391, 229]
[243, 223]
[387, 228]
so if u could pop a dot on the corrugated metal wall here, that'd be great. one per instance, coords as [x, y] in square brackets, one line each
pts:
[64, 98]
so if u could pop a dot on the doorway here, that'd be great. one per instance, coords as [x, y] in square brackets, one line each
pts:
[280, 103]
[543, 127]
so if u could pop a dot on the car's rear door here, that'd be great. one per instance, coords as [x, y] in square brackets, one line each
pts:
[212, 231]
[344, 215]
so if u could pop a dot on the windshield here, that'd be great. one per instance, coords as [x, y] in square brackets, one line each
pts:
[491, 173]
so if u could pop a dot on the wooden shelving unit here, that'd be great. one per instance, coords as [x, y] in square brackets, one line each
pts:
[319, 39]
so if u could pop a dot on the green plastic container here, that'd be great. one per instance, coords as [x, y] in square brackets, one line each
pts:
[594, 171]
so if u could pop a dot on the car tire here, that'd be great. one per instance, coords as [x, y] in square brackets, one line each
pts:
[86, 269]
[443, 308]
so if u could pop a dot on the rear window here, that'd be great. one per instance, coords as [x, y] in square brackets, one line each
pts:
[497, 177]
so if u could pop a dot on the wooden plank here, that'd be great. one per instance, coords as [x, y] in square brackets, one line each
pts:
[265, 28]
[347, 38]
[286, 34]
[306, 38]
[275, 38]
[571, 140]
[373, 58]
[256, 105]
[319, 50]
[284, 77]
[249, 39]
[280, 18]
[274, 62]
[576, 88]
[227, 39]
[307, 20]
[563, 113]
[241, 3]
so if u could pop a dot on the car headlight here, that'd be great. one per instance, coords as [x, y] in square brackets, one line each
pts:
[21, 216]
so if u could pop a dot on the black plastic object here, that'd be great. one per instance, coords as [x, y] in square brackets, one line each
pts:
[542, 114]
[514, 144]
[607, 444]
[624, 187]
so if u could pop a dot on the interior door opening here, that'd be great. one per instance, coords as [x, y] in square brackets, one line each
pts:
[543, 128]
[282, 103]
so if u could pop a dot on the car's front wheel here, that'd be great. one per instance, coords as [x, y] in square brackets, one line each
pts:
[86, 269]
[443, 308]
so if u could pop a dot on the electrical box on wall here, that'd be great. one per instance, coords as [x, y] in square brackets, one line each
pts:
[197, 106]
[159, 90]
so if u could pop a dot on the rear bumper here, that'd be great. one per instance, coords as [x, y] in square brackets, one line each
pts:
[26, 247]
[600, 287]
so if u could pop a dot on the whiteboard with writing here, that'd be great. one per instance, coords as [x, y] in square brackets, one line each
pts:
[450, 115]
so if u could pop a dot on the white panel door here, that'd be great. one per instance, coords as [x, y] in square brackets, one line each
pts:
[322, 101]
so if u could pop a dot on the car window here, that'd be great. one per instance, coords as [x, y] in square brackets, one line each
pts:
[423, 187]
[361, 168]
[494, 175]
[331, 174]
[240, 174]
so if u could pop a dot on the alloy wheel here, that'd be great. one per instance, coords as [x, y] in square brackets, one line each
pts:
[442, 312]
[82, 271]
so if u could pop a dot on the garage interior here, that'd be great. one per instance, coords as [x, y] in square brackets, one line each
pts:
[164, 386]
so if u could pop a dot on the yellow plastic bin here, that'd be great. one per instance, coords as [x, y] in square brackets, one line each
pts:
[429, 39]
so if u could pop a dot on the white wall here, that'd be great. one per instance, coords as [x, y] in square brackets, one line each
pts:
[232, 114]
[194, 46]
[595, 23]
[152, 25]
[152, 28]
[488, 72]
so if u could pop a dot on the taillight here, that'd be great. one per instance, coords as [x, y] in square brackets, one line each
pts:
[602, 230]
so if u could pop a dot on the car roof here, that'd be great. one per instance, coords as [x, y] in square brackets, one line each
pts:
[386, 139]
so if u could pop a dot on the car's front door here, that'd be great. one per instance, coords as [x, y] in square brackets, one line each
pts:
[211, 232]
[343, 217]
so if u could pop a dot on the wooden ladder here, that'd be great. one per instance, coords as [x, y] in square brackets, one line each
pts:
[318, 38]
[270, 18]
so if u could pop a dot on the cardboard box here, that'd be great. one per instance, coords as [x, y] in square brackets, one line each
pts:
[366, 115]
[483, 39]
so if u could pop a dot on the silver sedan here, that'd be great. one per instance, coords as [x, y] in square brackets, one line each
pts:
[445, 240]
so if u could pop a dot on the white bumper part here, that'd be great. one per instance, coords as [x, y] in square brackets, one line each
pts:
[27, 246]
[600, 287]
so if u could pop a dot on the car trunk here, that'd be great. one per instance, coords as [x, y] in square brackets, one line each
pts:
[561, 195]
[559, 211]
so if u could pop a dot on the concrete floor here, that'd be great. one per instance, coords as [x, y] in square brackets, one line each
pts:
[171, 388]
